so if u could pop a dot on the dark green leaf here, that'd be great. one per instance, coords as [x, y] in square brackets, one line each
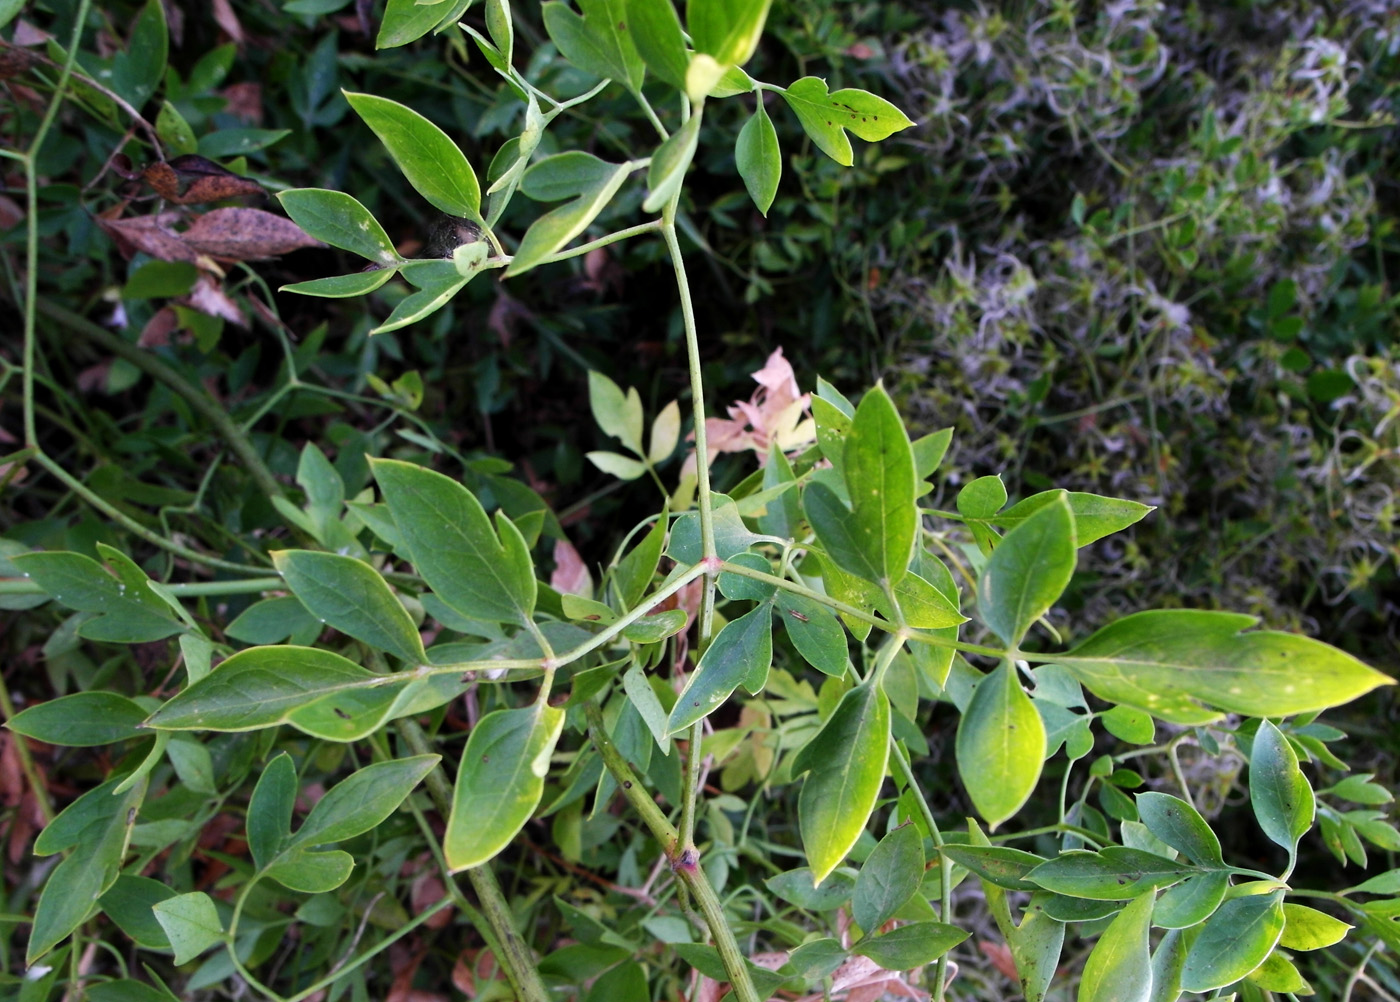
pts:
[1280, 794]
[888, 878]
[741, 651]
[1192, 901]
[137, 71]
[598, 42]
[669, 163]
[312, 872]
[910, 946]
[1028, 571]
[1000, 865]
[430, 161]
[1234, 941]
[350, 596]
[338, 219]
[759, 159]
[1180, 826]
[815, 631]
[1115, 873]
[361, 801]
[82, 719]
[582, 177]
[879, 467]
[1000, 745]
[798, 887]
[1119, 968]
[129, 612]
[270, 810]
[656, 32]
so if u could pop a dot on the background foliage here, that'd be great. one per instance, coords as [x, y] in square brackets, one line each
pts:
[1140, 250]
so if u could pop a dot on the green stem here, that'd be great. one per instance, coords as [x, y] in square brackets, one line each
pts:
[194, 589]
[513, 953]
[685, 861]
[945, 865]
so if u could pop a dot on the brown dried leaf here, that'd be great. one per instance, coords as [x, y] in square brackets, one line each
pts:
[28, 34]
[191, 179]
[153, 235]
[246, 235]
[156, 333]
[225, 18]
[570, 575]
[10, 212]
[14, 61]
[208, 296]
[244, 101]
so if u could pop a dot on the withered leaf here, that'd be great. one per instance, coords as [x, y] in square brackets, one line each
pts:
[190, 179]
[208, 296]
[154, 235]
[245, 235]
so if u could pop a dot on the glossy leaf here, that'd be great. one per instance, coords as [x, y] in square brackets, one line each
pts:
[1233, 941]
[1000, 746]
[407, 20]
[888, 878]
[1309, 929]
[598, 41]
[499, 781]
[1119, 968]
[342, 286]
[590, 183]
[847, 762]
[1027, 572]
[191, 922]
[910, 946]
[1280, 794]
[1180, 826]
[339, 219]
[656, 32]
[454, 547]
[826, 117]
[759, 159]
[1167, 660]
[728, 30]
[1095, 516]
[742, 649]
[80, 720]
[270, 810]
[350, 596]
[1115, 873]
[431, 161]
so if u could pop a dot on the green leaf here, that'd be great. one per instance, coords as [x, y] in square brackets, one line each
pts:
[638, 567]
[826, 117]
[815, 632]
[598, 42]
[407, 20]
[1129, 724]
[582, 177]
[741, 651]
[847, 762]
[798, 888]
[1280, 794]
[1000, 746]
[1165, 660]
[173, 130]
[648, 705]
[129, 611]
[339, 219]
[453, 546]
[1113, 874]
[1192, 901]
[128, 903]
[670, 162]
[270, 810]
[1119, 968]
[617, 465]
[888, 878]
[137, 71]
[618, 414]
[759, 159]
[437, 281]
[657, 627]
[924, 606]
[1309, 929]
[879, 467]
[350, 596]
[1180, 826]
[501, 27]
[312, 872]
[1234, 941]
[656, 32]
[1027, 572]
[1000, 865]
[431, 161]
[499, 782]
[273, 620]
[361, 801]
[982, 498]
[1094, 516]
[342, 286]
[191, 922]
[728, 30]
[910, 946]
[81, 720]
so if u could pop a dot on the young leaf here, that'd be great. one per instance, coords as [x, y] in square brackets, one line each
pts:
[889, 877]
[582, 177]
[1234, 941]
[1027, 572]
[1095, 516]
[910, 946]
[361, 801]
[137, 71]
[270, 810]
[1165, 660]
[740, 651]
[350, 596]
[847, 762]
[339, 219]
[1309, 929]
[430, 161]
[826, 117]
[452, 544]
[656, 32]
[499, 782]
[1180, 826]
[598, 42]
[1119, 968]
[191, 922]
[1280, 794]
[618, 414]
[80, 720]
[759, 159]
[1000, 746]
[981, 498]
[665, 433]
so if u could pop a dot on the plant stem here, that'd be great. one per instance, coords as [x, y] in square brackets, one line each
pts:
[513, 954]
[945, 865]
[193, 589]
[684, 862]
